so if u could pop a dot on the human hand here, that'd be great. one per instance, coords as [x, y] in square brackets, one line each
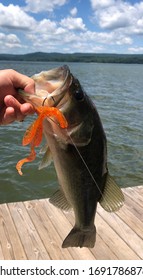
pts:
[12, 107]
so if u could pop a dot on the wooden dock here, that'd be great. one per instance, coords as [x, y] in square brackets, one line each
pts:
[35, 230]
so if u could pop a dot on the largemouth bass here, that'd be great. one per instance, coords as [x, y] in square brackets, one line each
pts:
[79, 153]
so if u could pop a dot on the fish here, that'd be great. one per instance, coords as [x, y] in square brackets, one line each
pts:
[79, 153]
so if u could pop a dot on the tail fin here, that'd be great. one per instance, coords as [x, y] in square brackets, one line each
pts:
[80, 238]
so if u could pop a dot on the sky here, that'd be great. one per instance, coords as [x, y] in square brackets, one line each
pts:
[69, 26]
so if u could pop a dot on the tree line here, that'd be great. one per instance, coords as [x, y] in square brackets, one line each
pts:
[75, 57]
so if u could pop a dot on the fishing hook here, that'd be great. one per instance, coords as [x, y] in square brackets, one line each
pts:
[47, 98]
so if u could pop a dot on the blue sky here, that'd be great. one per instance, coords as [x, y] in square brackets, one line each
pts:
[101, 26]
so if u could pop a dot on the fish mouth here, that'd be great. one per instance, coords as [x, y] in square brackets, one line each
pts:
[50, 87]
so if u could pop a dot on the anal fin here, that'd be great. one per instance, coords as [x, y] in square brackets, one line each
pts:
[59, 200]
[112, 198]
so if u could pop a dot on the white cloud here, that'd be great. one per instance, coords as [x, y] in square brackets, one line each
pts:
[46, 26]
[9, 41]
[96, 4]
[122, 20]
[73, 23]
[118, 14]
[73, 12]
[13, 17]
[62, 39]
[136, 50]
[36, 6]
[124, 41]
[107, 38]
[13, 39]
[113, 18]
[118, 25]
[2, 36]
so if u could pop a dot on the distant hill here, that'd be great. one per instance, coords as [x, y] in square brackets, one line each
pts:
[75, 57]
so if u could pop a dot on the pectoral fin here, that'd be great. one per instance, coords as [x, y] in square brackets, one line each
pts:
[47, 159]
[43, 149]
[59, 200]
[112, 199]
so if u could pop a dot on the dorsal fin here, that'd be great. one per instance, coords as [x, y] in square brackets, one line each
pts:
[112, 199]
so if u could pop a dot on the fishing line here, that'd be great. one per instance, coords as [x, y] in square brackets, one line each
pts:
[118, 231]
[90, 173]
[114, 216]
[123, 234]
[84, 162]
[80, 156]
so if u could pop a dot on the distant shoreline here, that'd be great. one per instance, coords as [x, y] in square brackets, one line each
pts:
[75, 57]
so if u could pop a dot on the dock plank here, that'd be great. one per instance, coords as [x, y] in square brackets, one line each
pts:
[128, 217]
[11, 246]
[136, 194]
[46, 231]
[134, 207]
[122, 237]
[36, 229]
[63, 229]
[112, 238]
[31, 241]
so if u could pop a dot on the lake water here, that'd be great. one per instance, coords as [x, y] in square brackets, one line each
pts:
[117, 91]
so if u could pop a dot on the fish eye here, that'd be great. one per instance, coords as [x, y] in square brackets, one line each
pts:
[78, 93]
[76, 90]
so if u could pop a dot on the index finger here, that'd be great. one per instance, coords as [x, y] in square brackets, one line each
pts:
[21, 81]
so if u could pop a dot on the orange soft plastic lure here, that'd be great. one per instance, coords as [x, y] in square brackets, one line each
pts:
[33, 134]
